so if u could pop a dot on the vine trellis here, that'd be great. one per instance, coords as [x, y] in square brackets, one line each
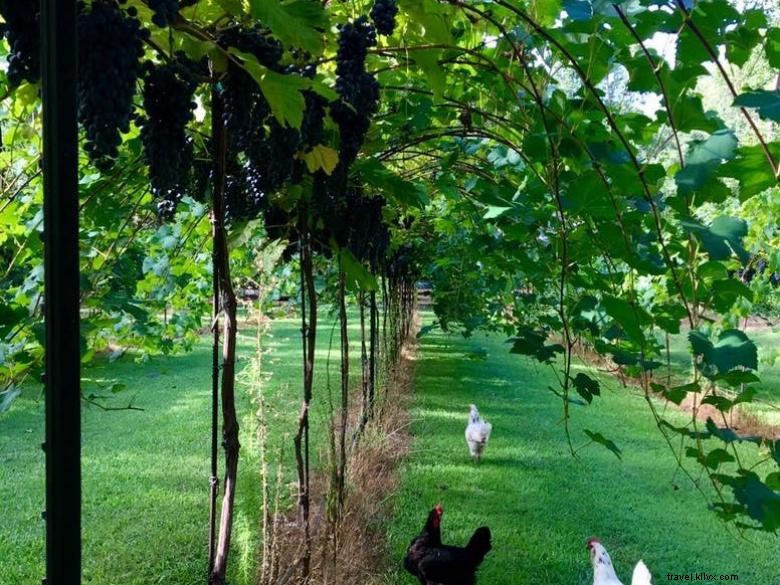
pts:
[472, 143]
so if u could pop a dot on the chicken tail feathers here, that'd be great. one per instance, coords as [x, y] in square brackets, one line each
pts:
[410, 565]
[641, 575]
[479, 545]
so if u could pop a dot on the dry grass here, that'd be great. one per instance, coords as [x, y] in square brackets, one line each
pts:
[354, 551]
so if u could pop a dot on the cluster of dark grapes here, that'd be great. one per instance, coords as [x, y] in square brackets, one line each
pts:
[261, 149]
[256, 41]
[402, 264]
[747, 275]
[358, 90]
[355, 39]
[271, 153]
[245, 107]
[345, 217]
[202, 174]
[110, 48]
[313, 124]
[351, 220]
[22, 31]
[242, 199]
[383, 14]
[369, 236]
[165, 11]
[241, 105]
[168, 102]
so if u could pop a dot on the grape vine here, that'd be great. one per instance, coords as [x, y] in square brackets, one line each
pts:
[262, 151]
[369, 236]
[245, 106]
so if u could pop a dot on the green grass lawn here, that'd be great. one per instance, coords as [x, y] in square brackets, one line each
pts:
[541, 504]
[145, 474]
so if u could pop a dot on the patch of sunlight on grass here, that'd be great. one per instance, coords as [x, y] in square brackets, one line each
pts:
[430, 413]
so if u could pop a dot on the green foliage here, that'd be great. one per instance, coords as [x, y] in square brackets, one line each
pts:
[704, 159]
[586, 386]
[766, 102]
[755, 498]
[602, 440]
[722, 238]
[631, 319]
[357, 277]
[556, 212]
[531, 343]
[301, 24]
[733, 349]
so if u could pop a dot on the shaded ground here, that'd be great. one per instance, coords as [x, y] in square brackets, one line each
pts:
[540, 503]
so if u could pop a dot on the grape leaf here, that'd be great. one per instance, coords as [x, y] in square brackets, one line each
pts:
[578, 9]
[301, 23]
[321, 157]
[704, 158]
[601, 439]
[722, 238]
[586, 386]
[732, 350]
[532, 343]
[283, 92]
[766, 102]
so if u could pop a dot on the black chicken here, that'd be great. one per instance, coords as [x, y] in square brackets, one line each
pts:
[434, 563]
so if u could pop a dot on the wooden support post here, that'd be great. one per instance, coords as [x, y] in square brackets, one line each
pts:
[61, 292]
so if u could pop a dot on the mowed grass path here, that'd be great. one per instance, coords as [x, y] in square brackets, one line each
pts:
[145, 474]
[541, 504]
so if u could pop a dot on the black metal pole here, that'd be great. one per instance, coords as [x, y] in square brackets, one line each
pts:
[61, 291]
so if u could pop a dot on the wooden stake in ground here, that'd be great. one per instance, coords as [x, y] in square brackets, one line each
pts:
[301, 440]
[344, 392]
[228, 306]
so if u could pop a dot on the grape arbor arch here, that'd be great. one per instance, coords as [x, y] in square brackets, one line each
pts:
[599, 214]
[561, 216]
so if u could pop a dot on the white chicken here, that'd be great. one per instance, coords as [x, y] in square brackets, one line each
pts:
[604, 572]
[477, 433]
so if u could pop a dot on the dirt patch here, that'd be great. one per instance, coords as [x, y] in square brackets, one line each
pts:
[738, 418]
[755, 323]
